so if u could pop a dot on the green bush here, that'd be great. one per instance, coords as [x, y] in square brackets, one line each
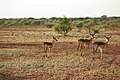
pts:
[64, 26]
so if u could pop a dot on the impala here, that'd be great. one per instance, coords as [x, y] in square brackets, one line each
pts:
[83, 42]
[49, 45]
[100, 45]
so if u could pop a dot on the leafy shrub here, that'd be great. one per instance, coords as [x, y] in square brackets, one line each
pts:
[64, 26]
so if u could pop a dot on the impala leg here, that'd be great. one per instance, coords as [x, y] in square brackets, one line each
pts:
[94, 49]
[78, 46]
[84, 46]
[49, 50]
[81, 46]
[46, 48]
[88, 45]
[100, 51]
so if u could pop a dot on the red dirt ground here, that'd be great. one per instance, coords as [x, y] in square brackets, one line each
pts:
[59, 47]
[112, 50]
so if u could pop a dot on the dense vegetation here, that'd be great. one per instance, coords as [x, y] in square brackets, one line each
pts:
[67, 24]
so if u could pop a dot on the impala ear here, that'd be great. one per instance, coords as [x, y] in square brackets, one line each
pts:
[55, 38]
[105, 36]
[109, 36]
[92, 34]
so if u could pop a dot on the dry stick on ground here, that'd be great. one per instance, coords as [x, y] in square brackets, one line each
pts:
[49, 45]
[100, 45]
[83, 42]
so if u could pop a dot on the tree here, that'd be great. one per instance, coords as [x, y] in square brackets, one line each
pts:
[49, 25]
[79, 25]
[64, 26]
[95, 30]
[90, 24]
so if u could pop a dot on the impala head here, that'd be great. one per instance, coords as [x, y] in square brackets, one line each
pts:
[108, 37]
[55, 38]
[92, 35]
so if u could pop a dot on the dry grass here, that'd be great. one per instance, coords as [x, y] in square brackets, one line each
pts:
[63, 63]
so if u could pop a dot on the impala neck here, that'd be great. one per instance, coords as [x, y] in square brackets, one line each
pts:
[107, 40]
[53, 41]
[91, 38]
